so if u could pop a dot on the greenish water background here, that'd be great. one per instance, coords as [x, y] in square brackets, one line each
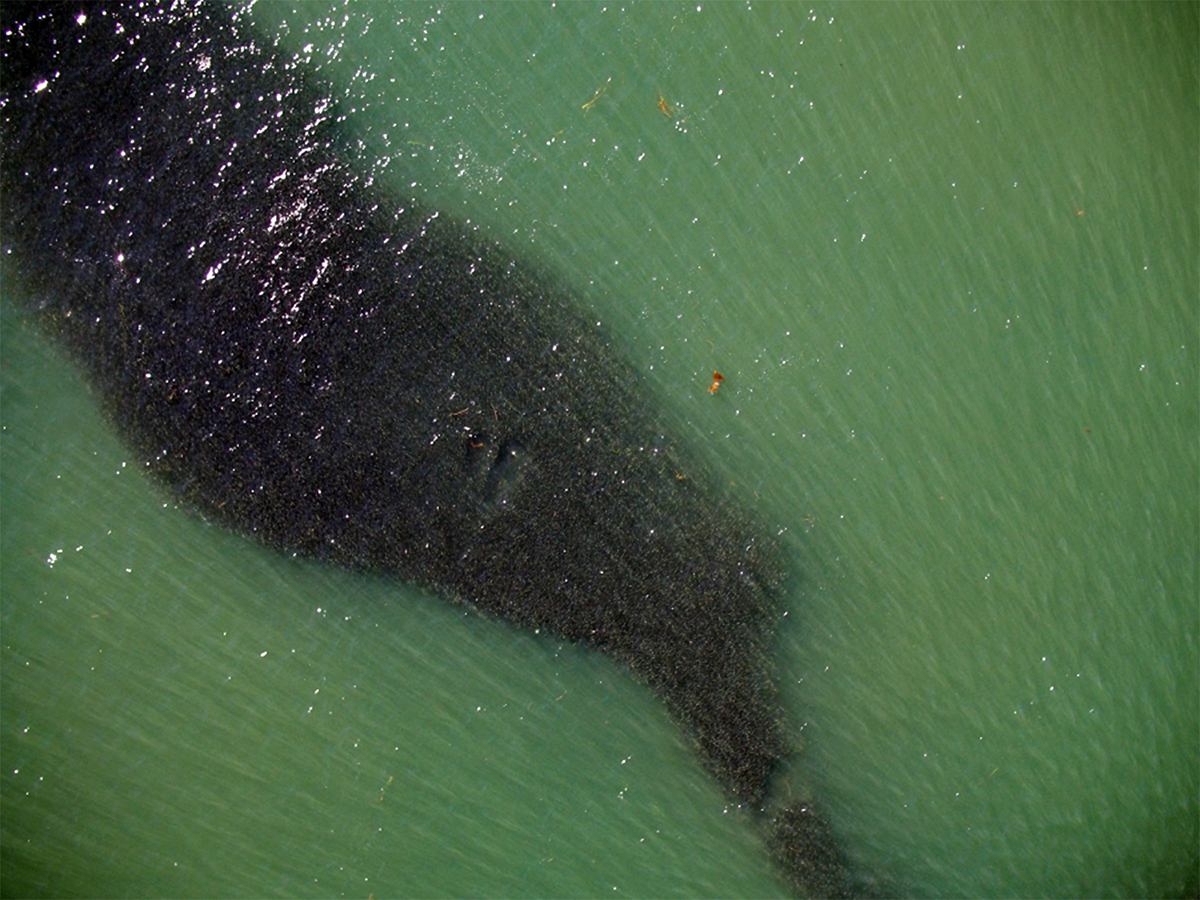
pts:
[945, 257]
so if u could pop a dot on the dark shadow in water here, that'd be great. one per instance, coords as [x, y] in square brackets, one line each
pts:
[334, 371]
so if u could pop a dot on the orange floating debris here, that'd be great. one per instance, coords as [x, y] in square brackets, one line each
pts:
[717, 379]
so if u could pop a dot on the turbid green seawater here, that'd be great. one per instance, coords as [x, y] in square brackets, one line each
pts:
[946, 259]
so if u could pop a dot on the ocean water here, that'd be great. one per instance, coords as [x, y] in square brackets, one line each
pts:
[946, 259]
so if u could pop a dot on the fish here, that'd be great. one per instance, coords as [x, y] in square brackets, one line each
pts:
[309, 359]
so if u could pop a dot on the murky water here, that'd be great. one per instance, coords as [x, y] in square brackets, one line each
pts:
[945, 258]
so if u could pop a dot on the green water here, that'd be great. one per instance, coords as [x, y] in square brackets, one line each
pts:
[946, 259]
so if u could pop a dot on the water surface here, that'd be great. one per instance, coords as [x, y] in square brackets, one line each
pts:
[944, 256]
